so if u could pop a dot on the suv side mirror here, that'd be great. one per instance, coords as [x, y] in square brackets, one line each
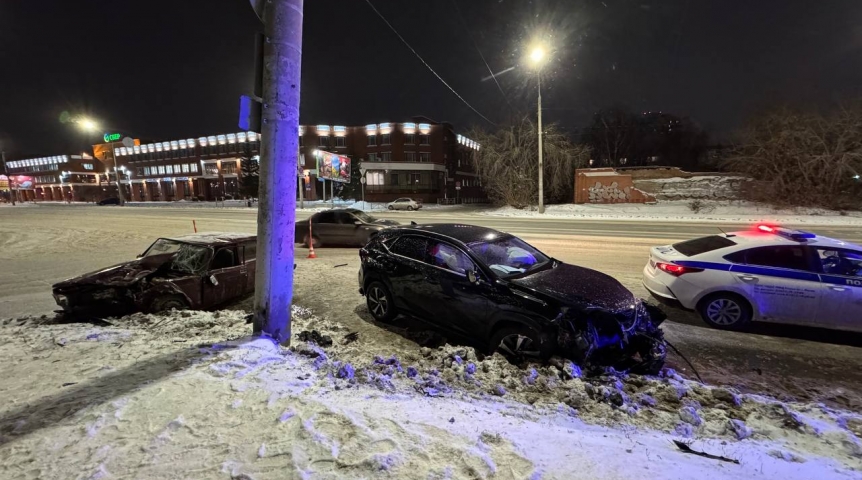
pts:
[472, 277]
[357, 223]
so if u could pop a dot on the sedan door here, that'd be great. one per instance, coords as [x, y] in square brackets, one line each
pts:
[781, 282]
[226, 279]
[841, 286]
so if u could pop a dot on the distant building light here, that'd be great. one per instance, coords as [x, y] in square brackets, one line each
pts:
[323, 129]
[222, 139]
[409, 127]
[183, 144]
[191, 143]
[424, 127]
[231, 138]
[340, 130]
[253, 136]
[175, 145]
[371, 128]
[241, 137]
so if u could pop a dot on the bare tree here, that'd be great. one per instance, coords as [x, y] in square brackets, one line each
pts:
[803, 158]
[507, 163]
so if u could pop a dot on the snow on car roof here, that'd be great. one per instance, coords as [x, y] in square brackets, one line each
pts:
[212, 237]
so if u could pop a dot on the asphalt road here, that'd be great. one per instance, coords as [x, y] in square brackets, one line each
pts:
[40, 245]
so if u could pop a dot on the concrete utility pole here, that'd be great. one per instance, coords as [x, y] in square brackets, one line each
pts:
[276, 217]
[120, 195]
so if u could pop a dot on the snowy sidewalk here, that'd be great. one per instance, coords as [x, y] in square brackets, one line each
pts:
[189, 395]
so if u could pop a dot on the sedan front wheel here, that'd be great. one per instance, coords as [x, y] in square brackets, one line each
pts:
[520, 344]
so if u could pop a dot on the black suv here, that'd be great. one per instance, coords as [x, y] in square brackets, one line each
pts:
[498, 290]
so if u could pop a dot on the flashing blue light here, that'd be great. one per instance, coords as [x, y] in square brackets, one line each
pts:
[798, 235]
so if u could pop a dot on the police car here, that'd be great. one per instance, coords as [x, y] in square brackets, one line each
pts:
[768, 273]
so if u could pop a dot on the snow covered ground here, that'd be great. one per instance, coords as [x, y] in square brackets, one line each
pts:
[680, 211]
[190, 395]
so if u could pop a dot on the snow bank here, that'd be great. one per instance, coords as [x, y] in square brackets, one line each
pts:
[190, 395]
[679, 211]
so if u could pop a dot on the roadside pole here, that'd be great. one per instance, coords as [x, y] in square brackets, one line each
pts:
[276, 217]
[120, 195]
[8, 177]
[332, 193]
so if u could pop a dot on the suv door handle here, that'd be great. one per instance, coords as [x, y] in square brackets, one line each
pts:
[837, 289]
[746, 277]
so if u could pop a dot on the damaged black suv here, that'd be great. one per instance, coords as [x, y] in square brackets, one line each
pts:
[496, 288]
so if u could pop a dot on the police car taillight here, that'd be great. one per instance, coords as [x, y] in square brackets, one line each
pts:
[676, 270]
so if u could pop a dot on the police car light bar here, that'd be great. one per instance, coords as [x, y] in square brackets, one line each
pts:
[797, 235]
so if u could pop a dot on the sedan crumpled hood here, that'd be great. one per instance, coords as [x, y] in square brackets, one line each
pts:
[120, 275]
[583, 286]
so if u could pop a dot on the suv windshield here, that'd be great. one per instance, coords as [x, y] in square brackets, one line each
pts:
[185, 257]
[508, 256]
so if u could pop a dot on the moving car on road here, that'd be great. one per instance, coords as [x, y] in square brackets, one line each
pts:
[769, 274]
[340, 226]
[197, 271]
[404, 204]
[498, 290]
[109, 201]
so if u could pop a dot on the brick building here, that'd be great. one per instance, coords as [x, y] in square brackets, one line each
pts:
[420, 159]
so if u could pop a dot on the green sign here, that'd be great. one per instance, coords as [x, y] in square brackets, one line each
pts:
[112, 137]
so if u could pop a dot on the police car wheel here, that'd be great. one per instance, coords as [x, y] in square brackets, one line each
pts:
[726, 311]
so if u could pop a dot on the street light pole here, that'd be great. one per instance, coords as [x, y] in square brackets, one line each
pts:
[541, 160]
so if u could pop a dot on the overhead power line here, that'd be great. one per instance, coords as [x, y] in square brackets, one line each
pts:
[426, 63]
[493, 75]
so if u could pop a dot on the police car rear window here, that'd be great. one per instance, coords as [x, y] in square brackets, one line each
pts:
[702, 245]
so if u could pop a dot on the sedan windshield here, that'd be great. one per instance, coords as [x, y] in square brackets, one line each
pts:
[185, 257]
[508, 256]
[364, 216]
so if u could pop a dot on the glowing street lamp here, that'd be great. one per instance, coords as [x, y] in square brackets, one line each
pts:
[537, 58]
[88, 124]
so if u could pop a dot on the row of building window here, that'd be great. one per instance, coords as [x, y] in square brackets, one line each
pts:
[168, 169]
[424, 157]
[36, 168]
[385, 139]
[218, 149]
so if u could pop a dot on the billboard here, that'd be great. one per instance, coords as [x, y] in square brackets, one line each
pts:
[4, 183]
[21, 182]
[333, 167]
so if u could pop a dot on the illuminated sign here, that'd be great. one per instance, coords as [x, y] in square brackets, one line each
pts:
[333, 167]
[112, 137]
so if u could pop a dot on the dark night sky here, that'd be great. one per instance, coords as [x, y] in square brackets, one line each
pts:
[166, 69]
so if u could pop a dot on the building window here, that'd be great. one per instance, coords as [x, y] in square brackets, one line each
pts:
[409, 138]
[146, 170]
[393, 179]
[372, 140]
[340, 141]
[386, 139]
[323, 141]
[169, 170]
[228, 167]
[185, 168]
[177, 169]
[187, 190]
[424, 140]
[211, 169]
[193, 167]
[87, 166]
[387, 156]
[424, 157]
[161, 170]
[372, 157]
[415, 178]
[375, 178]
[410, 156]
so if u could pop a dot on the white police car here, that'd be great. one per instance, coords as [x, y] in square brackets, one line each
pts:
[769, 274]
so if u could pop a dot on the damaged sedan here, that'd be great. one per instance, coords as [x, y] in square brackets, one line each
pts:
[497, 289]
[197, 271]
